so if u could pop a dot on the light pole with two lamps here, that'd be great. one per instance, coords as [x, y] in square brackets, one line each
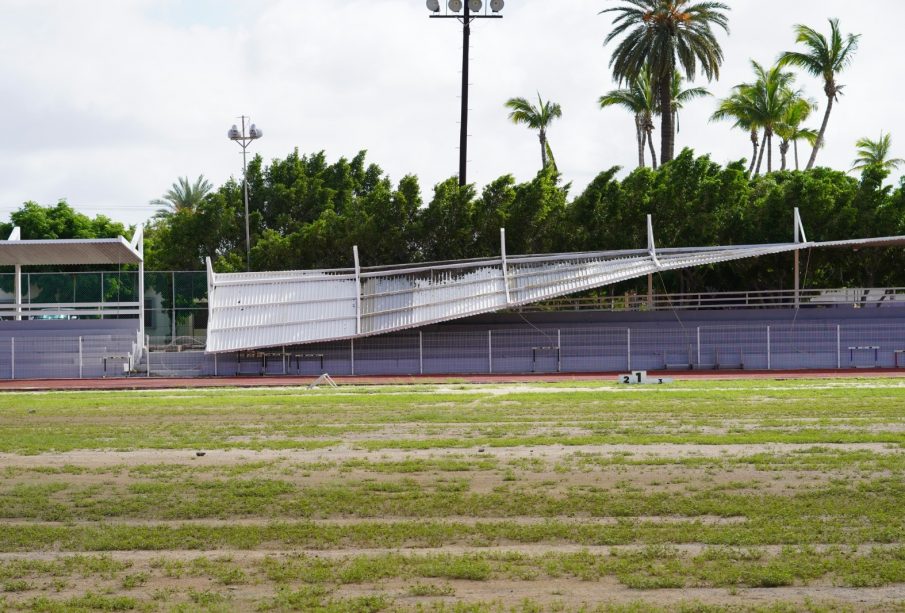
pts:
[244, 140]
[472, 11]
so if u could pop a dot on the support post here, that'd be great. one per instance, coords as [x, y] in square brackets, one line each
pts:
[12, 361]
[18, 290]
[420, 352]
[80, 357]
[769, 365]
[505, 264]
[215, 366]
[357, 290]
[490, 351]
[838, 346]
[284, 359]
[558, 350]
[650, 291]
[799, 238]
[699, 346]
[628, 347]
[173, 310]
[352, 354]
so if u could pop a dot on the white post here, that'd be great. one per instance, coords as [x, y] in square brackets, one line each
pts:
[699, 346]
[12, 362]
[80, 357]
[420, 352]
[173, 310]
[284, 359]
[838, 346]
[357, 291]
[505, 264]
[768, 349]
[628, 353]
[18, 291]
[215, 365]
[490, 351]
[558, 350]
[799, 238]
[352, 354]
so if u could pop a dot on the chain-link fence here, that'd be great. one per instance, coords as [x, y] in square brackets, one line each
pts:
[785, 346]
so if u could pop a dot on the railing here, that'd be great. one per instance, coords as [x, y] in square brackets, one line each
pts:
[807, 298]
[70, 310]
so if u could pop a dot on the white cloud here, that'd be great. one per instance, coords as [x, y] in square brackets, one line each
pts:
[108, 101]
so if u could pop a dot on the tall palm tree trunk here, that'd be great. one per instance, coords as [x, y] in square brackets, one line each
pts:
[819, 142]
[769, 152]
[543, 149]
[795, 146]
[783, 150]
[760, 158]
[653, 151]
[754, 152]
[667, 131]
[640, 137]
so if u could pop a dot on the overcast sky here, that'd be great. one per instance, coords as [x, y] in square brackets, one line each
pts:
[107, 102]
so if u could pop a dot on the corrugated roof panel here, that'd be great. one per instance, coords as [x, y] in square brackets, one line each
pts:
[63, 252]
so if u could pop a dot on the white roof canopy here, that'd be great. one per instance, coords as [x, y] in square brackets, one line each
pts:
[17, 252]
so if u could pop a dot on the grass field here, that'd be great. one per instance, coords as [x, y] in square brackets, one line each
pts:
[752, 495]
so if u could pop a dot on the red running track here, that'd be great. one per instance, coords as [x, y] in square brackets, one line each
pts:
[139, 383]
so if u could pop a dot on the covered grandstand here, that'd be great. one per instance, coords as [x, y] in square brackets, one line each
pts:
[471, 316]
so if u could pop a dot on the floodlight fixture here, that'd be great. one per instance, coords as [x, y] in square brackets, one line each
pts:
[244, 140]
[473, 10]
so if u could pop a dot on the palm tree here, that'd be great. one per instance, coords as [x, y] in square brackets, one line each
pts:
[739, 107]
[876, 153]
[680, 96]
[823, 58]
[536, 117]
[769, 98]
[183, 196]
[665, 36]
[638, 99]
[790, 130]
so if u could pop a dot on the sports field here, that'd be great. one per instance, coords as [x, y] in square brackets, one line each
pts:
[762, 495]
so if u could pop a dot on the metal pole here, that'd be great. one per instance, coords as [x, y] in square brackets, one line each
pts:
[357, 290]
[80, 357]
[490, 351]
[768, 348]
[699, 346]
[628, 337]
[463, 134]
[12, 361]
[838, 346]
[352, 354]
[420, 352]
[173, 308]
[18, 283]
[558, 350]
[245, 182]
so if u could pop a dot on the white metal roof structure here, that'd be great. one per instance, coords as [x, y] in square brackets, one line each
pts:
[75, 251]
[271, 309]
[17, 252]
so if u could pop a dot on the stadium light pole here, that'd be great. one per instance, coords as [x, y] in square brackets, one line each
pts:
[472, 11]
[244, 140]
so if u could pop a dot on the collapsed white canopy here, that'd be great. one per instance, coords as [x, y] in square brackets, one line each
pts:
[17, 252]
[272, 309]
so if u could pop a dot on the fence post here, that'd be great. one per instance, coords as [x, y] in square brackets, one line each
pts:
[352, 354]
[490, 351]
[215, 365]
[768, 349]
[284, 359]
[80, 357]
[628, 346]
[420, 352]
[12, 362]
[559, 350]
[838, 347]
[699, 346]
